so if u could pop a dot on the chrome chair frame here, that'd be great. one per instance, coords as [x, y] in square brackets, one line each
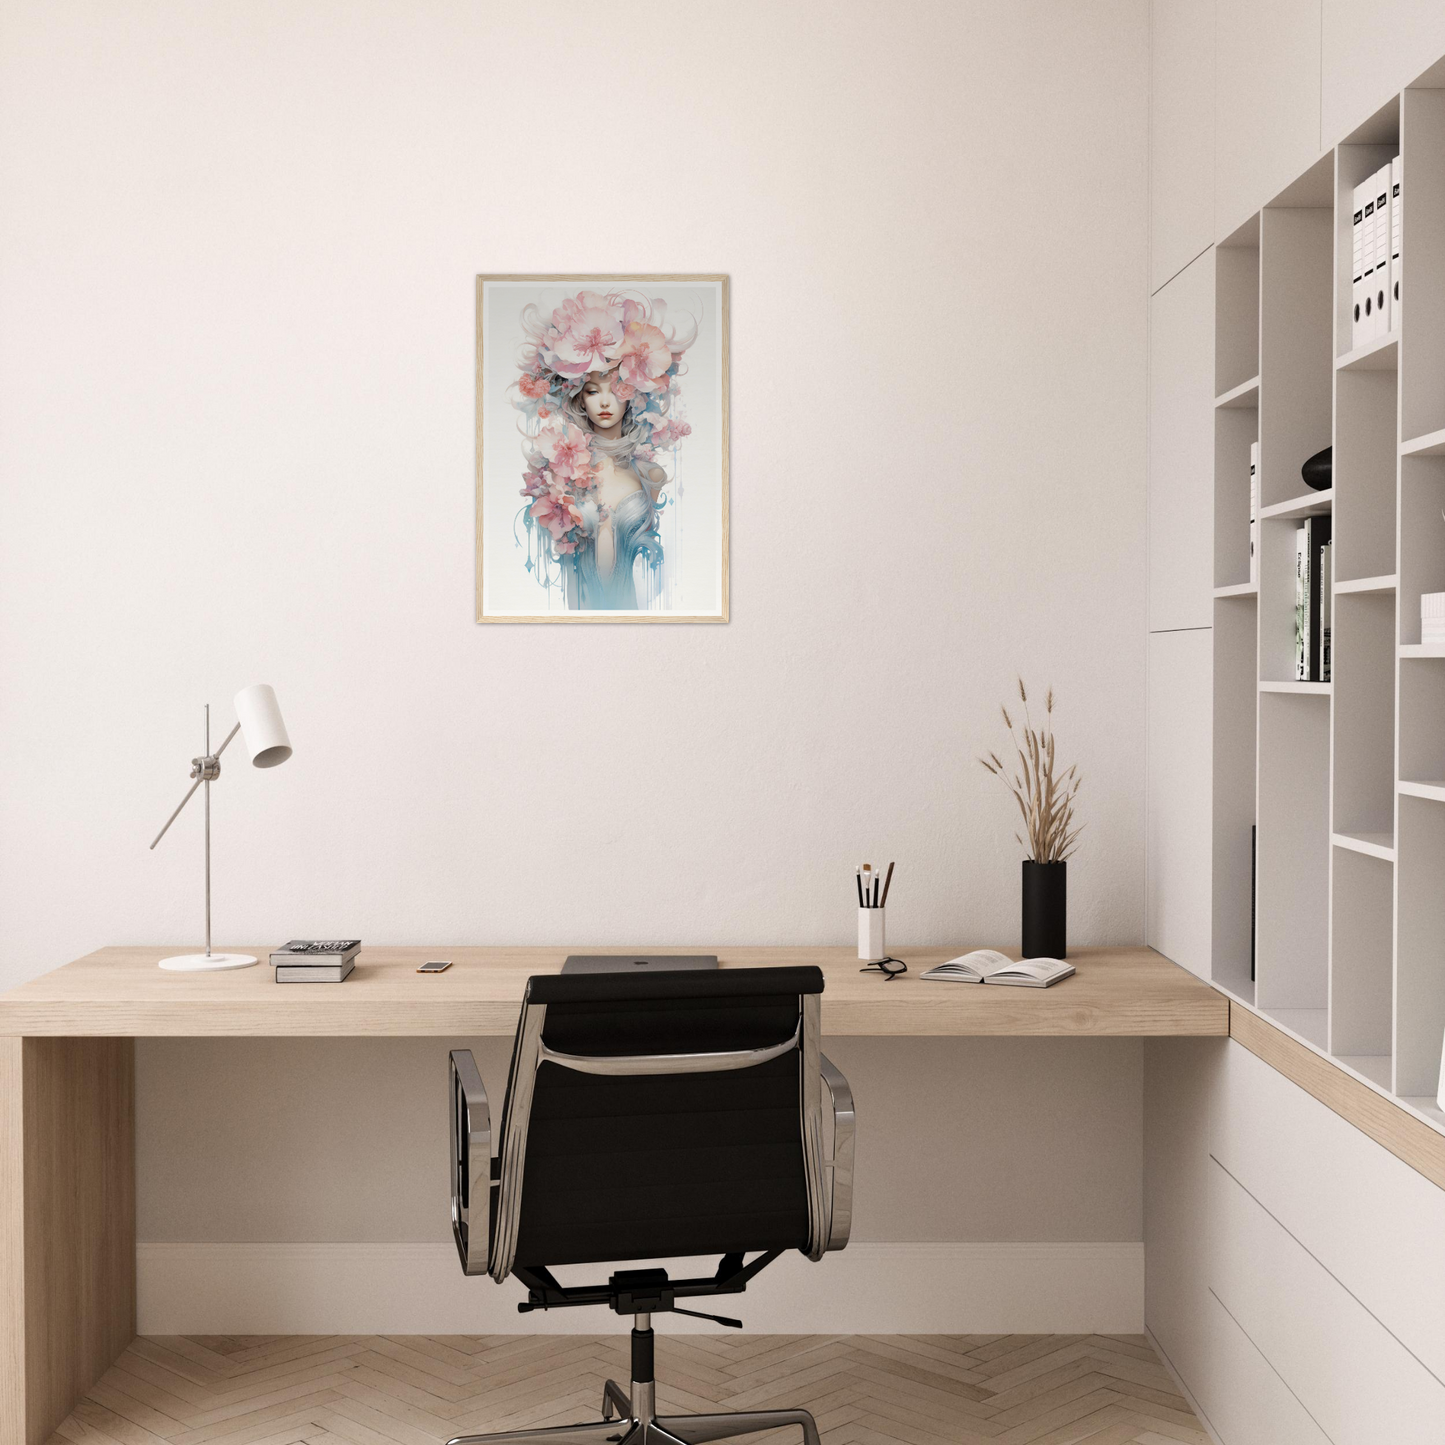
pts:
[485, 1229]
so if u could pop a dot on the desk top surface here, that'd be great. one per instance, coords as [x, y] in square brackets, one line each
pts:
[120, 992]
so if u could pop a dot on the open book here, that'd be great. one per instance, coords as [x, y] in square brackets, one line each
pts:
[987, 965]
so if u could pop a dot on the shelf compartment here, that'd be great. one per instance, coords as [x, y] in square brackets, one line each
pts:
[1312, 504]
[1422, 721]
[1294, 855]
[1422, 300]
[1244, 397]
[1298, 689]
[1377, 1068]
[1296, 350]
[1236, 706]
[1381, 354]
[1432, 444]
[1420, 934]
[1364, 715]
[1422, 537]
[1366, 584]
[1422, 649]
[1362, 930]
[1310, 1024]
[1234, 432]
[1372, 845]
[1236, 309]
[1365, 460]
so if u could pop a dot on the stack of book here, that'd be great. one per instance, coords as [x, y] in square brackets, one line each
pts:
[315, 960]
[1375, 272]
[1312, 601]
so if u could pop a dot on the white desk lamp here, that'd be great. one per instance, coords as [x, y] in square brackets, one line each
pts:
[258, 720]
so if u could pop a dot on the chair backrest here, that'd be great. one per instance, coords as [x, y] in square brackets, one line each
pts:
[662, 1115]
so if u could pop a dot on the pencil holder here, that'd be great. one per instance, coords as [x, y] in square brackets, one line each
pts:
[871, 946]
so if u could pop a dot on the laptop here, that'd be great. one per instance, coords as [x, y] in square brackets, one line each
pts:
[637, 962]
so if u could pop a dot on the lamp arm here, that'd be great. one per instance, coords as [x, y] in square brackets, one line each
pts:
[200, 774]
[227, 743]
[177, 813]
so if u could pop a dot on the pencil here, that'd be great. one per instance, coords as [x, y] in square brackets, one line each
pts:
[887, 883]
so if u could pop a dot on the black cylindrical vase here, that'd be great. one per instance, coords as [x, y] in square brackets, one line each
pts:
[1046, 909]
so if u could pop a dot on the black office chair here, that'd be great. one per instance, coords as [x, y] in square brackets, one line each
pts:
[650, 1117]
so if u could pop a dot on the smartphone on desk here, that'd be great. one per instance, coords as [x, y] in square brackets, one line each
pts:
[435, 965]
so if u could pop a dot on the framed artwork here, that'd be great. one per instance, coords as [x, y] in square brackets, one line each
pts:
[602, 449]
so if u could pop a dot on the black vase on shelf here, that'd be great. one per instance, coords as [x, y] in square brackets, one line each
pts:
[1319, 471]
[1046, 909]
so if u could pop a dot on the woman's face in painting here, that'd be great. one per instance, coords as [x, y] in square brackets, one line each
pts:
[603, 408]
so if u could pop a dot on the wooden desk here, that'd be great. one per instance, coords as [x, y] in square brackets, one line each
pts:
[67, 1091]
[119, 992]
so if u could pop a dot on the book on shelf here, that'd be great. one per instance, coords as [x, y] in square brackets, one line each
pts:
[1326, 606]
[1253, 892]
[1301, 606]
[988, 965]
[1310, 611]
[1254, 514]
[314, 972]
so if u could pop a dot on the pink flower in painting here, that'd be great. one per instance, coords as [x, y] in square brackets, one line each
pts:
[557, 514]
[567, 450]
[584, 335]
[644, 357]
[671, 431]
[535, 387]
[623, 391]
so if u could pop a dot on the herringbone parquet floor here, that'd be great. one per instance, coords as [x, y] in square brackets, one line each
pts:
[419, 1390]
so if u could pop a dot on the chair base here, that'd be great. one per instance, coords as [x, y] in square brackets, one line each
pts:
[641, 1427]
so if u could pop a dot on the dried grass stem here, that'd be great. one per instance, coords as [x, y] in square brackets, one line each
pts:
[1045, 797]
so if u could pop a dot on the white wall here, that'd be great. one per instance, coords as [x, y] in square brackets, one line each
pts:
[237, 255]
[236, 367]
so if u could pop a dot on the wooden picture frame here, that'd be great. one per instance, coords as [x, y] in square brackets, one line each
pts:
[602, 448]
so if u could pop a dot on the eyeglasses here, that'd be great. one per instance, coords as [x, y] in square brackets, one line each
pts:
[890, 968]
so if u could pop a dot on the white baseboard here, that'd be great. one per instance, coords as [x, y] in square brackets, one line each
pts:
[312, 1289]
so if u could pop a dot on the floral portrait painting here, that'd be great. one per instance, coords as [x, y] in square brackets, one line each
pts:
[602, 481]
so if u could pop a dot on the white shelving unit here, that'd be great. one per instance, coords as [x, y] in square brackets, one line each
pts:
[1344, 781]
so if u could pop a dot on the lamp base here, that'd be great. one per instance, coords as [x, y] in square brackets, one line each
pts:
[207, 962]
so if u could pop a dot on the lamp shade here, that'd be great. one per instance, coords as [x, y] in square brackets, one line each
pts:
[262, 730]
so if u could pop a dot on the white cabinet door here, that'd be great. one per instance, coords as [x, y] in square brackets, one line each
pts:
[1266, 103]
[1246, 1401]
[1181, 450]
[1181, 134]
[1178, 902]
[1366, 1216]
[1358, 1382]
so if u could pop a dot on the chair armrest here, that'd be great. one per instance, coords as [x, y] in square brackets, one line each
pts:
[471, 1129]
[840, 1216]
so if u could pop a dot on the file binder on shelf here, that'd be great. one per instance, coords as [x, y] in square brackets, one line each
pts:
[1382, 253]
[1357, 269]
[1396, 225]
